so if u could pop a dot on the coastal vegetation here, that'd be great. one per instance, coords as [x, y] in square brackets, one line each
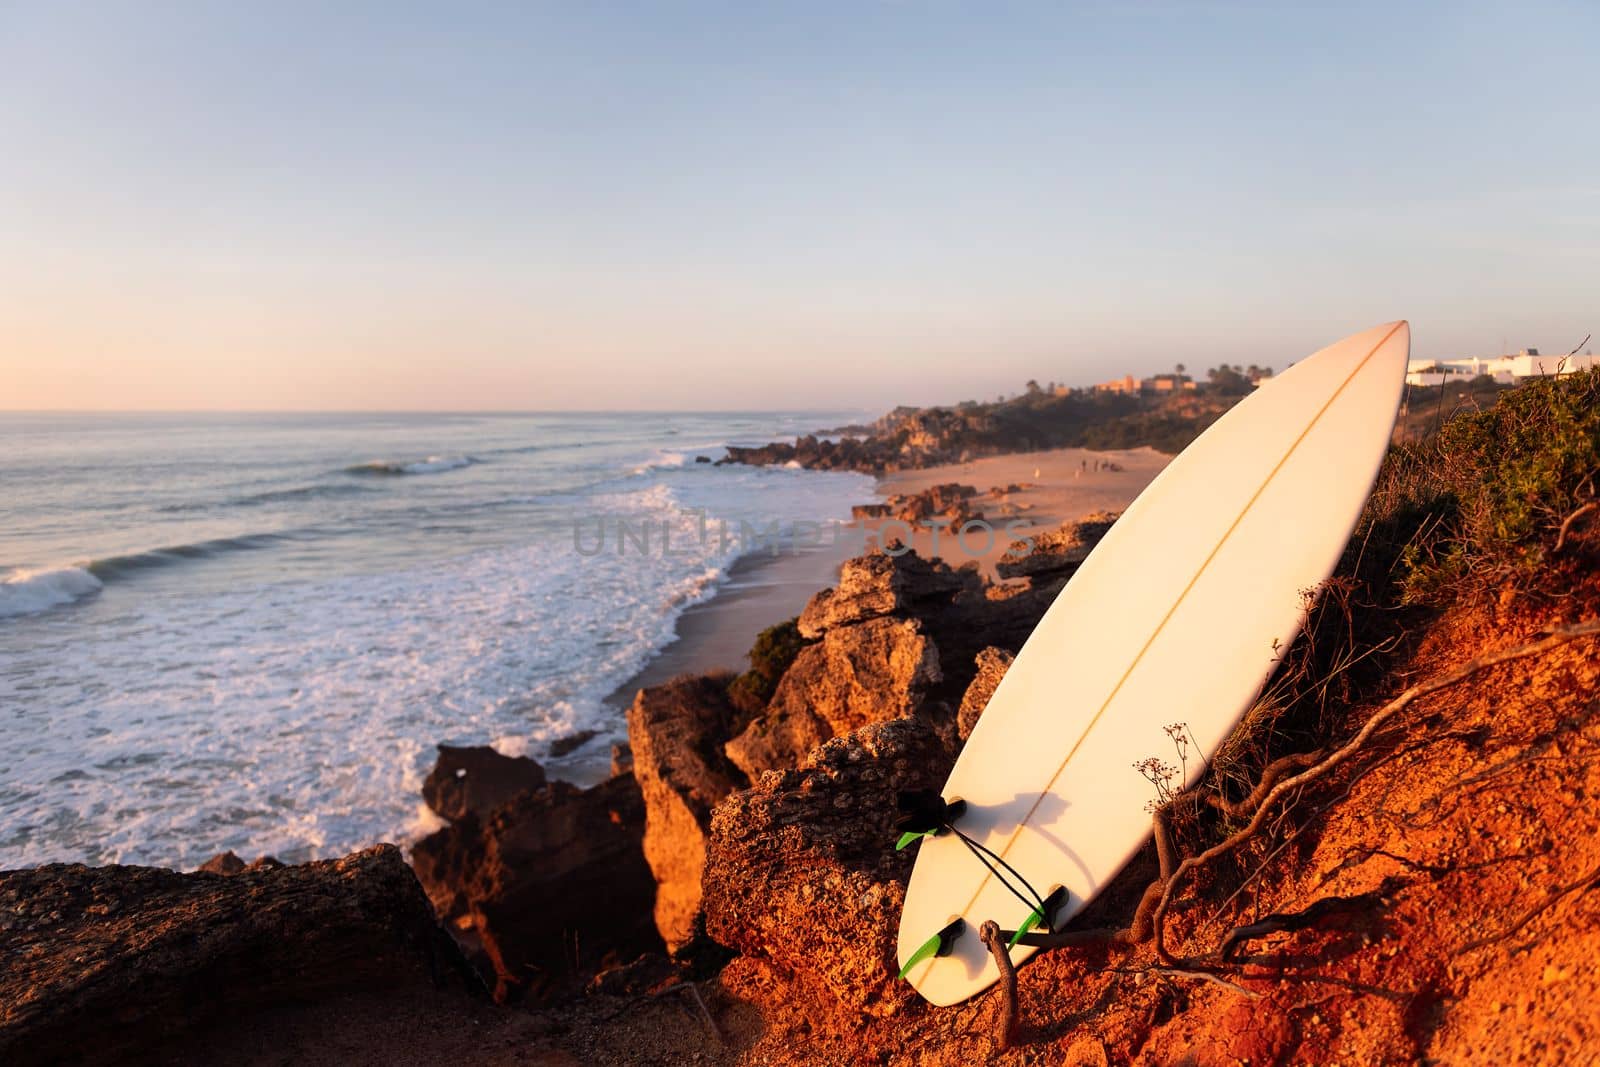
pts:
[774, 650]
[1165, 419]
[1495, 492]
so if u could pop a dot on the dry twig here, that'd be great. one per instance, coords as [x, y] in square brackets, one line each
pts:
[1205, 976]
[1566, 524]
[693, 989]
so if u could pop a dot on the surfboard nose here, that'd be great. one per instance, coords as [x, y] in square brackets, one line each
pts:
[1396, 345]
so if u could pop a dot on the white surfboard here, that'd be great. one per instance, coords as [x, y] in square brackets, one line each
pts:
[1178, 616]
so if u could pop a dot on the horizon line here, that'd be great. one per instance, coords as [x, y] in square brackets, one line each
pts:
[428, 411]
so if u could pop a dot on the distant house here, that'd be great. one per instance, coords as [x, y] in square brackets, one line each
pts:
[1167, 383]
[1160, 384]
[1125, 384]
[1507, 370]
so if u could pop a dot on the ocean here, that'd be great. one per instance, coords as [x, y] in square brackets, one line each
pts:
[248, 632]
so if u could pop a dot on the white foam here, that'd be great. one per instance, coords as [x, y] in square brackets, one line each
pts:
[424, 822]
[434, 464]
[512, 745]
[25, 592]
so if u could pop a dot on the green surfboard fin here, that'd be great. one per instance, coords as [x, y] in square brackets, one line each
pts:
[1052, 904]
[1027, 924]
[910, 836]
[939, 944]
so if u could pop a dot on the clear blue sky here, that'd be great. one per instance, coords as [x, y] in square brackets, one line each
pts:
[772, 205]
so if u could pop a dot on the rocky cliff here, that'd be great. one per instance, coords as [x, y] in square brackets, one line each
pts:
[909, 438]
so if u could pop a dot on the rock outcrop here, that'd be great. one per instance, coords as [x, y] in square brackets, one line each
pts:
[105, 964]
[878, 584]
[908, 438]
[550, 883]
[868, 672]
[229, 863]
[677, 731]
[992, 664]
[849, 453]
[477, 779]
[222, 863]
[1053, 556]
[802, 876]
[950, 501]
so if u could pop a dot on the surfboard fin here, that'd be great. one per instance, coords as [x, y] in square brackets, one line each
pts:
[924, 813]
[910, 836]
[940, 944]
[1046, 918]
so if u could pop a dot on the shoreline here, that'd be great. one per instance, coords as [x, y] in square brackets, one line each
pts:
[1061, 485]
[760, 590]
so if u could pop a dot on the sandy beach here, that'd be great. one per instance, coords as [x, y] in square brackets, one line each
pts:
[1058, 485]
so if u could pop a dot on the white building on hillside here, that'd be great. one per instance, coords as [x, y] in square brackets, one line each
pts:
[1507, 370]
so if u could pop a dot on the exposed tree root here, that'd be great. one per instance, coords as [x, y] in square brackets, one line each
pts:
[1006, 1025]
[1100, 935]
[1315, 915]
[1552, 639]
[1270, 777]
[1585, 882]
[1280, 778]
[1205, 976]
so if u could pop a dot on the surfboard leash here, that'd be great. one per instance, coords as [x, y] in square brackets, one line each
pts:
[924, 813]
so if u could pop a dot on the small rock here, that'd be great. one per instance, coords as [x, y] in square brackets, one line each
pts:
[223, 863]
[477, 779]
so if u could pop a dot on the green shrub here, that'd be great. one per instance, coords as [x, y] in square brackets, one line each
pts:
[1480, 503]
[774, 650]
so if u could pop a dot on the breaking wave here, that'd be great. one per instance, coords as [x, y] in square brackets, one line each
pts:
[115, 566]
[431, 465]
[25, 592]
[271, 496]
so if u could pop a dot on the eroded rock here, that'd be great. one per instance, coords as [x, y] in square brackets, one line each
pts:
[802, 873]
[870, 672]
[477, 779]
[552, 883]
[992, 664]
[222, 863]
[677, 731]
[1056, 554]
[877, 585]
[102, 964]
